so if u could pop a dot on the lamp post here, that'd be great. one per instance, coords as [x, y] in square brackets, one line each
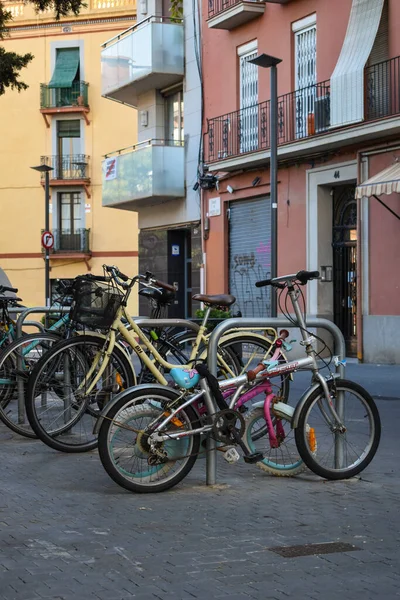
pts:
[46, 170]
[270, 62]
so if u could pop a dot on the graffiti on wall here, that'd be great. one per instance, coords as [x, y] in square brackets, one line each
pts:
[245, 270]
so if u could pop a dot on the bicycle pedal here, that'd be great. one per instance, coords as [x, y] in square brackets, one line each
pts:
[255, 457]
[231, 456]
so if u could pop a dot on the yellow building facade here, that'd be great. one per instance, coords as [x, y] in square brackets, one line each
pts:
[61, 120]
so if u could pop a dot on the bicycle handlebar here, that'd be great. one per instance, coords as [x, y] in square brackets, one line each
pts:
[5, 288]
[281, 282]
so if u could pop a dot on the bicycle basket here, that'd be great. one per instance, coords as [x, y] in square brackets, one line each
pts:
[95, 304]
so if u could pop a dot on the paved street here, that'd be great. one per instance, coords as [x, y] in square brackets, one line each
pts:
[68, 532]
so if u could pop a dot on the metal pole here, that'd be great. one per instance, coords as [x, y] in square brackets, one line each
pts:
[273, 124]
[47, 251]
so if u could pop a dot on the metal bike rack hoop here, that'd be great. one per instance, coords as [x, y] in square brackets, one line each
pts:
[244, 323]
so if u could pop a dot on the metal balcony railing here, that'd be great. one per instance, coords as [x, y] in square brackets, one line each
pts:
[70, 166]
[217, 6]
[76, 95]
[66, 240]
[301, 114]
[382, 87]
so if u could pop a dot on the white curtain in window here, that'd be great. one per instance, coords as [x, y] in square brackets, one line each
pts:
[347, 81]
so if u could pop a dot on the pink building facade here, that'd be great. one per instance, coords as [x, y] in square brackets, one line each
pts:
[338, 125]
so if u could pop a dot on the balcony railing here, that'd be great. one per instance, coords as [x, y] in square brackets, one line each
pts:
[66, 241]
[68, 167]
[217, 6]
[74, 96]
[145, 174]
[382, 83]
[149, 55]
[228, 14]
[301, 114]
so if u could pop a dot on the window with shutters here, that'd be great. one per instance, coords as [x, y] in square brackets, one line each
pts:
[305, 46]
[248, 82]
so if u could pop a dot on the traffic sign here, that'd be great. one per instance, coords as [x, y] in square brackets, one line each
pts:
[47, 239]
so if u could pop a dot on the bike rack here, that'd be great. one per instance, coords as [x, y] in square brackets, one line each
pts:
[20, 322]
[244, 323]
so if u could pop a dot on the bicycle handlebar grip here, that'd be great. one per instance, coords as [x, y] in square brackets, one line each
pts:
[283, 334]
[263, 283]
[5, 288]
[305, 276]
[251, 375]
[166, 286]
[122, 275]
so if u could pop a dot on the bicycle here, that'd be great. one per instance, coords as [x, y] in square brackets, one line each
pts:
[164, 426]
[64, 417]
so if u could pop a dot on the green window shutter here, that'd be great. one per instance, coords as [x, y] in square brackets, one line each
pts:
[68, 129]
[67, 64]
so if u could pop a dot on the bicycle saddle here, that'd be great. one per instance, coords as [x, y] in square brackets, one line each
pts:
[216, 300]
[158, 294]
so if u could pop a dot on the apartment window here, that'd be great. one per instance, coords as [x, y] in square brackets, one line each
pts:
[70, 220]
[66, 75]
[248, 82]
[305, 47]
[174, 117]
[68, 148]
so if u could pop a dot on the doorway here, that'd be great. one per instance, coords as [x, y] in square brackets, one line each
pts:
[344, 243]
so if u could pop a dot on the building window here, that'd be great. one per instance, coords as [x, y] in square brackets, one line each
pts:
[65, 81]
[68, 149]
[174, 117]
[305, 58]
[248, 91]
[69, 221]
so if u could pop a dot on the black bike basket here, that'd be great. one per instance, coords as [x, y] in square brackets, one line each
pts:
[95, 303]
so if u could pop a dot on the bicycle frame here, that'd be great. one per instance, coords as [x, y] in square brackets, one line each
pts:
[129, 337]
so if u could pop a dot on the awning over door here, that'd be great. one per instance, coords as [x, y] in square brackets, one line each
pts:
[347, 80]
[385, 182]
[67, 63]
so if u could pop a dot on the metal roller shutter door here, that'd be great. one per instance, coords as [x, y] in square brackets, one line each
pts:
[250, 255]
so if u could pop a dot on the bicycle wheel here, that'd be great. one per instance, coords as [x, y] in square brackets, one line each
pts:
[339, 455]
[283, 461]
[16, 363]
[60, 409]
[125, 452]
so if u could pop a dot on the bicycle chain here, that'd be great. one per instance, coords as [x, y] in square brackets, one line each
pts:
[139, 431]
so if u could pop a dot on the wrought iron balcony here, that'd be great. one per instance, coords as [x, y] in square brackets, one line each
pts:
[228, 14]
[70, 242]
[66, 241]
[382, 83]
[74, 96]
[149, 55]
[70, 167]
[142, 175]
[301, 114]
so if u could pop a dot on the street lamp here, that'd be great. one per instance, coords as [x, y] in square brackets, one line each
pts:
[266, 61]
[46, 170]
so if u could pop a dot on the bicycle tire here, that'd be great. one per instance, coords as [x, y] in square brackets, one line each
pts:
[283, 461]
[314, 459]
[64, 437]
[8, 370]
[143, 403]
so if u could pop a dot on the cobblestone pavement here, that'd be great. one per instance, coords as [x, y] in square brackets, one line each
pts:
[68, 532]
